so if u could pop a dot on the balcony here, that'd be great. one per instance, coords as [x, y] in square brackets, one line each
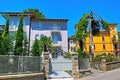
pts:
[55, 29]
[56, 43]
[12, 28]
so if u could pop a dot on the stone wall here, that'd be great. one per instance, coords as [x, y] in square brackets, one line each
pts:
[75, 70]
[112, 65]
[35, 76]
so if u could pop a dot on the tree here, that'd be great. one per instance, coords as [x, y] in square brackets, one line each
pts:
[19, 38]
[36, 49]
[5, 40]
[81, 34]
[46, 44]
[36, 12]
[25, 45]
[6, 30]
[82, 26]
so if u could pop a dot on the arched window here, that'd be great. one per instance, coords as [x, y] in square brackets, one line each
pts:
[37, 36]
[42, 35]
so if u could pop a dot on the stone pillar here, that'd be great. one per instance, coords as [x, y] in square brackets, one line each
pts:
[46, 64]
[75, 69]
[103, 63]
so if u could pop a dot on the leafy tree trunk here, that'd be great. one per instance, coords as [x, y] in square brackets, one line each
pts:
[81, 45]
[19, 38]
[25, 45]
[5, 40]
[6, 31]
[36, 49]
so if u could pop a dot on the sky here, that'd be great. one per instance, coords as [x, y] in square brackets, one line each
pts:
[66, 9]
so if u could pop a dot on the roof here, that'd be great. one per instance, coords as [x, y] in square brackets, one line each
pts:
[6, 14]
[52, 20]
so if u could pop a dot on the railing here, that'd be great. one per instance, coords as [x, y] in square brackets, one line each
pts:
[56, 43]
[19, 64]
[55, 29]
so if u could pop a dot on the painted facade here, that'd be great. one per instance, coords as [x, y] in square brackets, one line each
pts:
[71, 45]
[35, 28]
[106, 42]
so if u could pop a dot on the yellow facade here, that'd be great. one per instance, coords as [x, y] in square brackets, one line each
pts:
[102, 43]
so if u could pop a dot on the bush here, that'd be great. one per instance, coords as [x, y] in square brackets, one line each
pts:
[67, 55]
[80, 54]
[109, 58]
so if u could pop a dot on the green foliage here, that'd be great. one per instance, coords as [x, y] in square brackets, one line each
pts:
[97, 58]
[6, 31]
[25, 45]
[37, 13]
[36, 48]
[19, 38]
[67, 55]
[46, 44]
[95, 27]
[1, 40]
[105, 25]
[81, 31]
[109, 58]
[82, 25]
[80, 54]
[5, 45]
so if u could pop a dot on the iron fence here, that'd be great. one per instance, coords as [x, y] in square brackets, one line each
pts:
[20, 64]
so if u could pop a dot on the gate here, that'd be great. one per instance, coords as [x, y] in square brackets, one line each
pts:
[60, 64]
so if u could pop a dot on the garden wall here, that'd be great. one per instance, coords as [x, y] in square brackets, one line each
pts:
[35, 76]
[112, 65]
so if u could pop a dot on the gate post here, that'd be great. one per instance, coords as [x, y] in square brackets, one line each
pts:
[46, 64]
[103, 63]
[75, 70]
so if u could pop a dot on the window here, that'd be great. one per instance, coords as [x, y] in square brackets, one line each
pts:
[71, 42]
[40, 25]
[114, 37]
[42, 35]
[11, 23]
[115, 46]
[37, 36]
[56, 37]
[103, 38]
[55, 26]
[94, 47]
[112, 28]
[25, 22]
[104, 47]
[92, 39]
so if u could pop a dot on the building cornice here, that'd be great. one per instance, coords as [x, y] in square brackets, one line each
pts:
[7, 14]
[50, 20]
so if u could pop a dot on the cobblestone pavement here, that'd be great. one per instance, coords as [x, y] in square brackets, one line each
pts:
[100, 75]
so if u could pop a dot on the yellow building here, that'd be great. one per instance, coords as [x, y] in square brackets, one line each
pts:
[106, 42]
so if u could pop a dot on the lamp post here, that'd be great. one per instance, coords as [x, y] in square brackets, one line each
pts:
[90, 36]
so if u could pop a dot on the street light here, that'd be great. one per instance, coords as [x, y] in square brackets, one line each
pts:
[90, 45]
[95, 22]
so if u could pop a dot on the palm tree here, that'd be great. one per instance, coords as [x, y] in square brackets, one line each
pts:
[46, 43]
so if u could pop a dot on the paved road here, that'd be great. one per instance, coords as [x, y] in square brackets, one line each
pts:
[60, 75]
[109, 75]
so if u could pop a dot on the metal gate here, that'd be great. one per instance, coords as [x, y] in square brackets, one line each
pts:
[60, 64]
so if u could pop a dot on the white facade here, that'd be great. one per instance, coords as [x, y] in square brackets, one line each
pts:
[54, 28]
[72, 45]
